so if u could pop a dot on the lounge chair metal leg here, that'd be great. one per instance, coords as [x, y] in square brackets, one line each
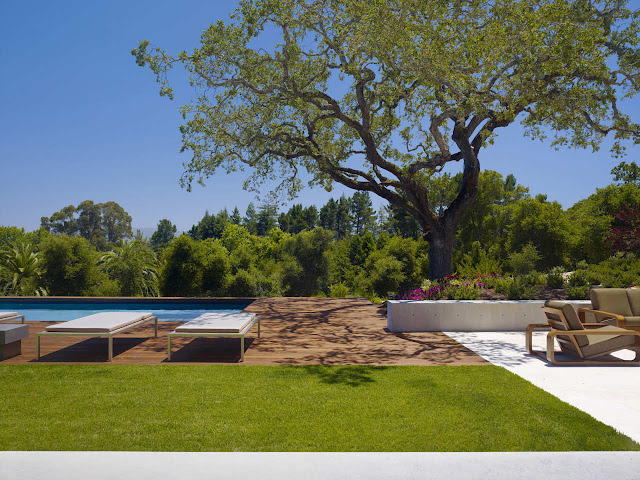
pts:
[242, 349]
[156, 327]
[169, 354]
[110, 347]
[37, 347]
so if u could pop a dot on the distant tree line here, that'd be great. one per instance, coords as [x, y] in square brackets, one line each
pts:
[343, 248]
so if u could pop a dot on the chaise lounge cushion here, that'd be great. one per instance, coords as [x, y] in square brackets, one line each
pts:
[103, 322]
[216, 322]
[612, 300]
[7, 314]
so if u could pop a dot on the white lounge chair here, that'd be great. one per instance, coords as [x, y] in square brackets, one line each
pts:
[212, 325]
[10, 316]
[104, 324]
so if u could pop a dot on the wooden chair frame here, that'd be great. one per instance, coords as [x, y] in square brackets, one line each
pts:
[555, 326]
[602, 316]
[108, 335]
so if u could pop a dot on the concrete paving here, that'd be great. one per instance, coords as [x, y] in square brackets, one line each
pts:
[318, 466]
[610, 394]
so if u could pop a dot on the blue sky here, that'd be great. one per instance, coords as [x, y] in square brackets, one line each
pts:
[80, 120]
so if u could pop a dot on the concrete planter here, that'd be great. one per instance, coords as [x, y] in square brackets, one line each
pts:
[466, 315]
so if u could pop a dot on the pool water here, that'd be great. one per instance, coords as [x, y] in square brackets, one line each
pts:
[166, 312]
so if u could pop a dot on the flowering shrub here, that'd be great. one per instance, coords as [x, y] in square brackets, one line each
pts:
[451, 287]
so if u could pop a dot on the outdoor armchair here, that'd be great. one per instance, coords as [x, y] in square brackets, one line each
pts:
[614, 306]
[587, 344]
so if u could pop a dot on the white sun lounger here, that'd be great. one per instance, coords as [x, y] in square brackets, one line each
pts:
[104, 324]
[10, 316]
[212, 325]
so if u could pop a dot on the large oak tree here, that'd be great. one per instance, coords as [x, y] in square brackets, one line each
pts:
[379, 95]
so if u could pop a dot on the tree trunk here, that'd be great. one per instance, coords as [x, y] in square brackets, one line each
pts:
[440, 254]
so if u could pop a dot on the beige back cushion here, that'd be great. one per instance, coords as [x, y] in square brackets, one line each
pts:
[633, 294]
[612, 300]
[572, 319]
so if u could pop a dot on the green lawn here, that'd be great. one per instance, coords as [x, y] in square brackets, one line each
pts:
[242, 408]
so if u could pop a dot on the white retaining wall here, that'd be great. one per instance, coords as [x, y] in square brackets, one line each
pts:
[466, 315]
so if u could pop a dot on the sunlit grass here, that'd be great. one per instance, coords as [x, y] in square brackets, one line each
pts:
[247, 408]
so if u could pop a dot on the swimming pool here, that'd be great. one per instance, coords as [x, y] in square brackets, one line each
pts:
[62, 311]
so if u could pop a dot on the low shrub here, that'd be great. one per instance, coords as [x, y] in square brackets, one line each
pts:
[555, 278]
[579, 278]
[461, 292]
[580, 292]
[516, 288]
[338, 290]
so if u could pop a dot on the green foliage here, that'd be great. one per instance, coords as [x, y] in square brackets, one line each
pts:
[242, 284]
[298, 218]
[525, 260]
[543, 225]
[578, 292]
[164, 234]
[384, 276]
[516, 288]
[338, 290]
[100, 223]
[194, 268]
[461, 292]
[69, 266]
[592, 218]
[619, 271]
[306, 262]
[210, 226]
[477, 261]
[626, 173]
[134, 267]
[23, 269]
[580, 278]
[335, 215]
[555, 278]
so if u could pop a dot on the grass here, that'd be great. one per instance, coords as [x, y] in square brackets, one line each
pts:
[315, 408]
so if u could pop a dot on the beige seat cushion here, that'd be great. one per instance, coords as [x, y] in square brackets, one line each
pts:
[612, 300]
[603, 344]
[633, 295]
[8, 314]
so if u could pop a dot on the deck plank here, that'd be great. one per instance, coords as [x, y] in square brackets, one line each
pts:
[294, 331]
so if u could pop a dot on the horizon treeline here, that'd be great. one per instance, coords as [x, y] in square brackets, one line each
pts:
[342, 248]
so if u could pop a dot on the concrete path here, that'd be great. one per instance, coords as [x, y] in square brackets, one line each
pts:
[609, 394]
[318, 466]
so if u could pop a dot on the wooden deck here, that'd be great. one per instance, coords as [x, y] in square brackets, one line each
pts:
[295, 331]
